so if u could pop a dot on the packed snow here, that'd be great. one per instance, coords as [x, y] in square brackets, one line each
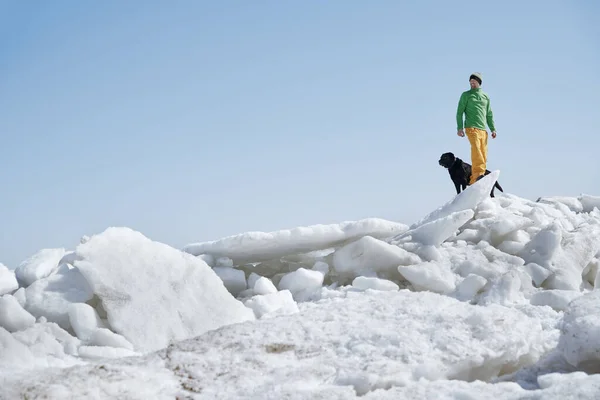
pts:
[481, 298]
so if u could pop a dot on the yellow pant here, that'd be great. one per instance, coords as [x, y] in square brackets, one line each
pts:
[478, 139]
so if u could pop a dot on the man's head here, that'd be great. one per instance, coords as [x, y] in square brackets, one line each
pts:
[475, 80]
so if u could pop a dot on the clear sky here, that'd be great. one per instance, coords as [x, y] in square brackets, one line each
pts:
[194, 120]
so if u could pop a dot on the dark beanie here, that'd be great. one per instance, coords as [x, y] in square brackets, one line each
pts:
[476, 76]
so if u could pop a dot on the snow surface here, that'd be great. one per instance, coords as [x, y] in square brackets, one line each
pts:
[487, 298]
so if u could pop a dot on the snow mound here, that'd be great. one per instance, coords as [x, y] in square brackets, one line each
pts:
[480, 290]
[154, 294]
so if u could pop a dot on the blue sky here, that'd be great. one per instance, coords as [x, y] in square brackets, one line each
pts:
[193, 120]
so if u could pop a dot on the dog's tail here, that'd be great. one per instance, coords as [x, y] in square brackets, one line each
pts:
[497, 185]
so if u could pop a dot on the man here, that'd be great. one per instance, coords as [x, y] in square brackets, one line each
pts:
[475, 104]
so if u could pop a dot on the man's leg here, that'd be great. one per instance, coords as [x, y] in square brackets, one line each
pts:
[478, 140]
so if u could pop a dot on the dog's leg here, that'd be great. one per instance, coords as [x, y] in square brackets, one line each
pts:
[457, 186]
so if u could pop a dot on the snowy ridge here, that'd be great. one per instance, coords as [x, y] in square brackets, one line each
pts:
[483, 297]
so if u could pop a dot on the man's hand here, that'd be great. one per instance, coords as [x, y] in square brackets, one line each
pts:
[494, 135]
[461, 133]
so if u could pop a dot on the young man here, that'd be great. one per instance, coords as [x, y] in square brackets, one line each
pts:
[475, 104]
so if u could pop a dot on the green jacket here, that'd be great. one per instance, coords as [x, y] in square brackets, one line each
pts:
[475, 104]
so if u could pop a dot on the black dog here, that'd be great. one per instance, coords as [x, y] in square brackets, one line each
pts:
[460, 172]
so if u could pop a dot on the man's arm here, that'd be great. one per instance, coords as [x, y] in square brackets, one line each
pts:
[462, 105]
[490, 116]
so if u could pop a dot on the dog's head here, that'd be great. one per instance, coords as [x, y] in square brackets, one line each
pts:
[447, 159]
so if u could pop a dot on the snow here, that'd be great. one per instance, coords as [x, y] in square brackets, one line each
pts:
[481, 298]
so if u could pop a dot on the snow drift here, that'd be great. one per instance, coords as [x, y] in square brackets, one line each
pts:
[479, 291]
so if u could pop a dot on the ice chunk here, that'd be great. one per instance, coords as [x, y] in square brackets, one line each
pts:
[233, 279]
[224, 262]
[507, 223]
[13, 354]
[431, 276]
[322, 267]
[469, 287]
[84, 319]
[12, 316]
[507, 290]
[38, 266]
[589, 202]
[557, 299]
[264, 286]
[273, 304]
[209, 259]
[50, 297]
[104, 352]
[511, 247]
[538, 273]
[580, 332]
[8, 280]
[435, 232]
[263, 246]
[50, 344]
[152, 293]
[365, 283]
[573, 203]
[563, 253]
[300, 280]
[482, 267]
[69, 258]
[468, 199]
[21, 296]
[371, 255]
[469, 235]
[105, 337]
[252, 278]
